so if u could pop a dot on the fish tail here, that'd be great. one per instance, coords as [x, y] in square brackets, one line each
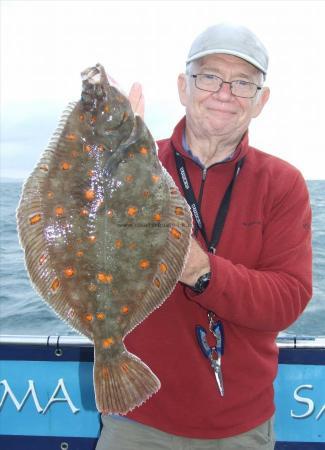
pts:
[123, 385]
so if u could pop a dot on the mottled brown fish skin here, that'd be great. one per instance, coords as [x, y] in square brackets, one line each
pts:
[105, 233]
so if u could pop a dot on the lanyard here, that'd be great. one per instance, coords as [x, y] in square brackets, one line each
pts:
[195, 207]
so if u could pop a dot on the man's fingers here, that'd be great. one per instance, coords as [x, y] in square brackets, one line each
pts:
[136, 99]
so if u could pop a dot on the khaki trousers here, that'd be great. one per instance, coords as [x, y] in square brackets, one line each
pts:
[123, 434]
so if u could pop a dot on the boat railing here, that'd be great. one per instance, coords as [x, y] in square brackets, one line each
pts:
[81, 341]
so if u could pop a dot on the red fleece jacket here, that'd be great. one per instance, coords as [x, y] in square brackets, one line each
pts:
[261, 282]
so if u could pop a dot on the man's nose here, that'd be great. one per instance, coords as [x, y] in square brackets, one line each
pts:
[224, 92]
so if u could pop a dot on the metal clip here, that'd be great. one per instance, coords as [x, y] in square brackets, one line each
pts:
[213, 353]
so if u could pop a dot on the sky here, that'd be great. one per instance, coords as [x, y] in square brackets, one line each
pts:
[46, 44]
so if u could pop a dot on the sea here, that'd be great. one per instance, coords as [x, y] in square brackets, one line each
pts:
[22, 311]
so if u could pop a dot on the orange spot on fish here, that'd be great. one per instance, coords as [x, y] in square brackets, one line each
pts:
[81, 117]
[143, 151]
[42, 259]
[156, 217]
[110, 213]
[125, 367]
[105, 372]
[155, 178]
[69, 272]
[89, 317]
[124, 309]
[179, 211]
[157, 282]
[91, 173]
[89, 195]
[92, 287]
[131, 155]
[79, 254]
[106, 108]
[87, 148]
[50, 195]
[101, 316]
[55, 285]
[175, 233]
[163, 267]
[44, 167]
[104, 277]
[59, 211]
[129, 178]
[144, 264]
[71, 137]
[84, 212]
[132, 211]
[118, 243]
[65, 165]
[35, 218]
[92, 238]
[107, 343]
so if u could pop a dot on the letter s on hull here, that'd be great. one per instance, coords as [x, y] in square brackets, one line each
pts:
[307, 401]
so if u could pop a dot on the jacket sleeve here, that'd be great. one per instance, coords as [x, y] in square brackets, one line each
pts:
[272, 295]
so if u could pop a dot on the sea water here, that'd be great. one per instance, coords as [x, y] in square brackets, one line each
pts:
[23, 312]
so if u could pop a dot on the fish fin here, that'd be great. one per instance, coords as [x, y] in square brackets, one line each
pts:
[173, 256]
[123, 385]
[32, 240]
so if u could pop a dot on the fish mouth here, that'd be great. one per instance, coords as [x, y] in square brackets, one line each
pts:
[94, 86]
[95, 75]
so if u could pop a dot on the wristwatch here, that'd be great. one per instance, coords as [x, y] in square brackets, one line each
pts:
[202, 283]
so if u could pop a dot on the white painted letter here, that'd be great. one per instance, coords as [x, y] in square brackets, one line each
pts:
[31, 390]
[66, 397]
[320, 412]
[307, 401]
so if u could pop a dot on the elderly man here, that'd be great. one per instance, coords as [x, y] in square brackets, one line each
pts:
[248, 275]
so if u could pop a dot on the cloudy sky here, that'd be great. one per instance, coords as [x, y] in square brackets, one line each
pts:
[45, 45]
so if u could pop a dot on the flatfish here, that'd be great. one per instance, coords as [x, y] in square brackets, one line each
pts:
[105, 233]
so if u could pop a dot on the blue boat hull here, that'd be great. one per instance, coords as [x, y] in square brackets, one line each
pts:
[47, 399]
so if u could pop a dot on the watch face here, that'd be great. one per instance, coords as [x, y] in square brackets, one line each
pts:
[202, 283]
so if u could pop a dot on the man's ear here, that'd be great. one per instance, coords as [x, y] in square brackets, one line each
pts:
[261, 102]
[182, 83]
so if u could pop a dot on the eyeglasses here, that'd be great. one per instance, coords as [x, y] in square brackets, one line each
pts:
[238, 88]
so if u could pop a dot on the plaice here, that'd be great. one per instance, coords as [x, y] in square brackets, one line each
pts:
[105, 233]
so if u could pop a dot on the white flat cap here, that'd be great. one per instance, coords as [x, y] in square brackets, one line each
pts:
[230, 39]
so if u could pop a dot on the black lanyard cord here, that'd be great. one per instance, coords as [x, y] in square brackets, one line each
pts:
[195, 208]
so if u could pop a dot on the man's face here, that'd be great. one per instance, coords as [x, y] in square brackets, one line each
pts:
[221, 113]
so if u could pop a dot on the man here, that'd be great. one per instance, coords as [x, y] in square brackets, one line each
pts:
[248, 274]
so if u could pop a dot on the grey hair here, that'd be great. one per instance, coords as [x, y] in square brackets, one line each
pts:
[188, 67]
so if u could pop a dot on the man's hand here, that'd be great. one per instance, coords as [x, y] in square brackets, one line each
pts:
[197, 264]
[136, 99]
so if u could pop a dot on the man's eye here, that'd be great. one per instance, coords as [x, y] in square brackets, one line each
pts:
[209, 77]
[242, 83]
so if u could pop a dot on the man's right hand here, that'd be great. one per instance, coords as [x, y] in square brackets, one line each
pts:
[136, 99]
